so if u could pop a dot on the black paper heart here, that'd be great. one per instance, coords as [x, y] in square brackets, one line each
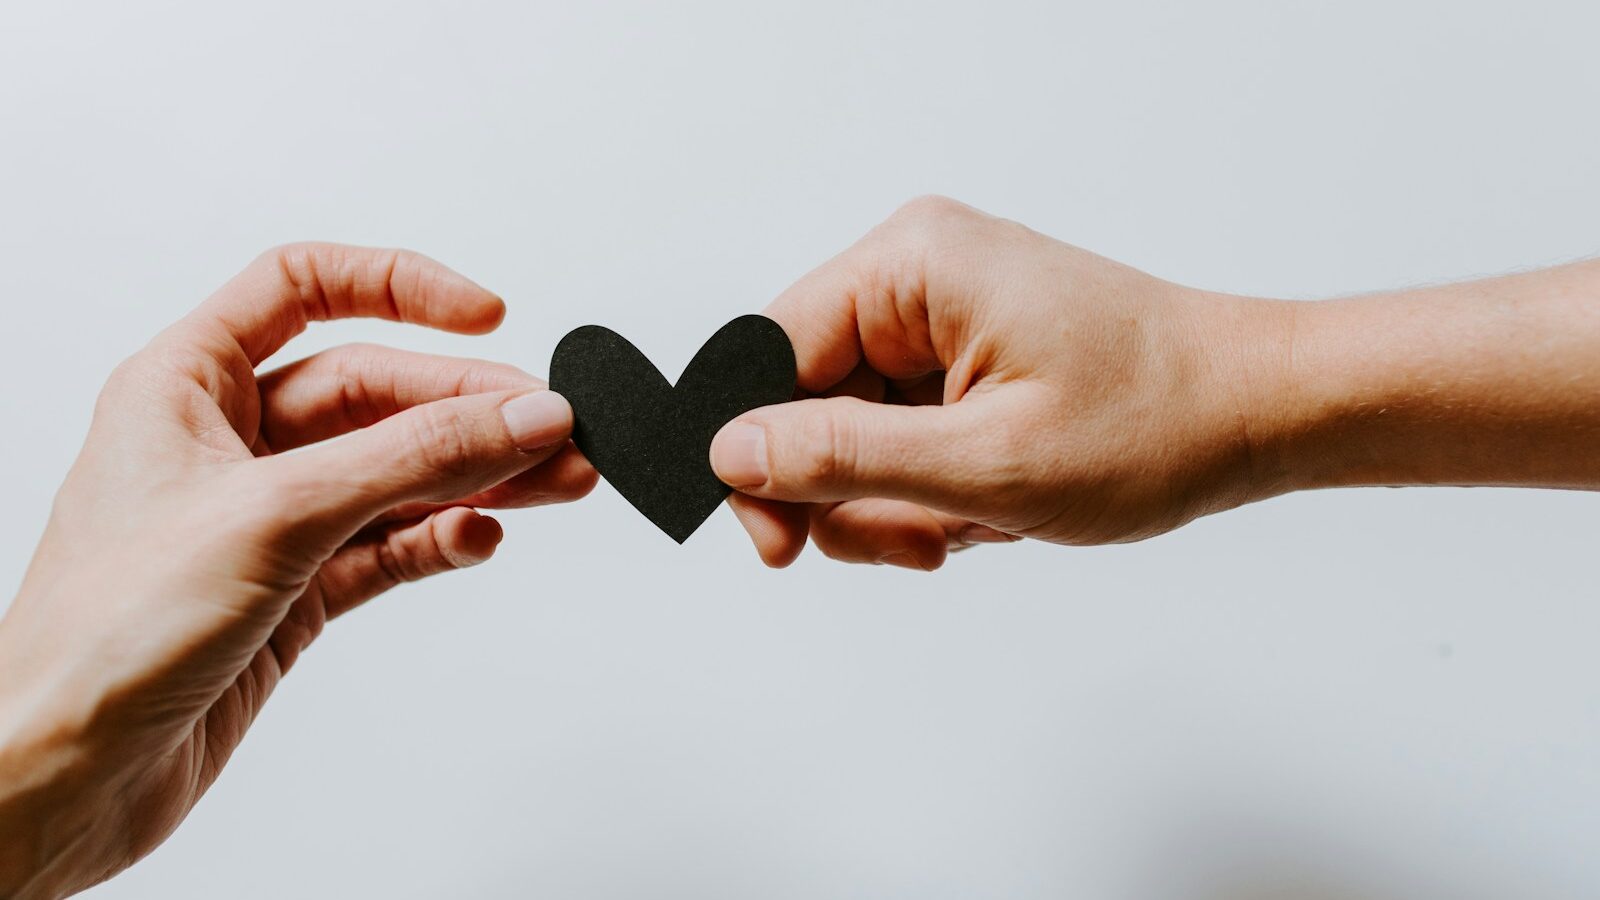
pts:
[651, 439]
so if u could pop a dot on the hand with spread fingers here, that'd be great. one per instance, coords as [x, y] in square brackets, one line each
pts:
[187, 563]
[970, 381]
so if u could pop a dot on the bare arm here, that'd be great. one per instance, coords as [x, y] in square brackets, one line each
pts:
[1493, 382]
[973, 381]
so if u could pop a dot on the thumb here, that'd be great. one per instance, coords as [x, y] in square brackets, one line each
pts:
[842, 448]
[435, 452]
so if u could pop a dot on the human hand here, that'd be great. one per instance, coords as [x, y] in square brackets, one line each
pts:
[975, 381]
[187, 564]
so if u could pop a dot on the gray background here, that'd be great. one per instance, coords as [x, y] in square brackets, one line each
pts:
[1361, 695]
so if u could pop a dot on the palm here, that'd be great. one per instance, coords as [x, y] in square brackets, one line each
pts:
[161, 796]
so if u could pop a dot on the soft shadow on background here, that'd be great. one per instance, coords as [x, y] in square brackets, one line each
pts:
[1341, 696]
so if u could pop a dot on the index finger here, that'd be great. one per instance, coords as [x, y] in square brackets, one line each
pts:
[275, 297]
[873, 302]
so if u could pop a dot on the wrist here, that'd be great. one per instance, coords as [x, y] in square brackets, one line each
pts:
[1308, 382]
[1248, 346]
[1336, 393]
[46, 774]
[1287, 375]
[38, 771]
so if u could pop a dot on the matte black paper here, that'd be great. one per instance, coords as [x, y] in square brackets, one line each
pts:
[652, 440]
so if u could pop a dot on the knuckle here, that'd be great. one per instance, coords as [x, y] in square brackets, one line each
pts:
[927, 234]
[930, 207]
[326, 275]
[351, 367]
[358, 361]
[442, 442]
[410, 555]
[931, 219]
[826, 450]
[127, 374]
[390, 271]
[389, 559]
[280, 255]
[304, 255]
[402, 262]
[292, 250]
[296, 260]
[297, 265]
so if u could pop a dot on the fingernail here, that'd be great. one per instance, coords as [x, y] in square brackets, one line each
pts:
[464, 559]
[983, 534]
[538, 419]
[739, 454]
[903, 560]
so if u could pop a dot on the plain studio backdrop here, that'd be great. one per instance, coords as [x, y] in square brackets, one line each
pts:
[1346, 695]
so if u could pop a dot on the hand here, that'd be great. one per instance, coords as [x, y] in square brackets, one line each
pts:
[979, 382]
[973, 381]
[186, 564]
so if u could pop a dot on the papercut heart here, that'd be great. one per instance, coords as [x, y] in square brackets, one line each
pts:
[651, 439]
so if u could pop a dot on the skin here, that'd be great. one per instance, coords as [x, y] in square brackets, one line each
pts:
[969, 381]
[972, 381]
[187, 564]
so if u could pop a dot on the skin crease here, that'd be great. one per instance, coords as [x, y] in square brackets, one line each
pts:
[186, 564]
[971, 380]
[968, 381]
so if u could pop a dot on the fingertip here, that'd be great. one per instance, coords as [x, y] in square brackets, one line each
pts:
[475, 306]
[566, 476]
[431, 293]
[778, 530]
[485, 532]
[493, 315]
[538, 420]
[481, 315]
[782, 554]
[739, 454]
[477, 310]
[466, 537]
[576, 476]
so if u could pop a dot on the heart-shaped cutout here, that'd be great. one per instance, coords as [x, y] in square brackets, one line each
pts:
[652, 439]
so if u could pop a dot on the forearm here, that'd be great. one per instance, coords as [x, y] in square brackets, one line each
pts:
[1493, 382]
